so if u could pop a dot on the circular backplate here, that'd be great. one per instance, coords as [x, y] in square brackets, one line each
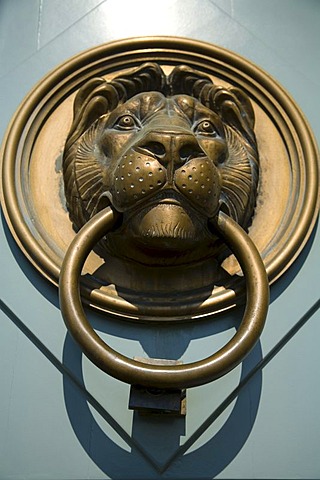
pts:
[33, 197]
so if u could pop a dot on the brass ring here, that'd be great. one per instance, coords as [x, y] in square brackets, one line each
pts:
[163, 376]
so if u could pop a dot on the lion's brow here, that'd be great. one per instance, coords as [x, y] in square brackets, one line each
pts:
[149, 108]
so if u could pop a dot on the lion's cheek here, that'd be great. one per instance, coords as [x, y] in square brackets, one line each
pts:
[216, 149]
[200, 182]
[136, 177]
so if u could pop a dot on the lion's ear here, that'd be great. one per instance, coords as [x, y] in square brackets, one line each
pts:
[246, 110]
[84, 93]
[234, 109]
[184, 79]
[94, 99]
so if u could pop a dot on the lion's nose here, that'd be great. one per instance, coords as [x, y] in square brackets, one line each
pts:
[171, 147]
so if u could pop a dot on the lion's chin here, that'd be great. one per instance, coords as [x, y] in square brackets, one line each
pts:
[165, 227]
[165, 233]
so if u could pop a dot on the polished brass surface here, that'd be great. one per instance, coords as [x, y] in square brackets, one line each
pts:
[164, 376]
[279, 216]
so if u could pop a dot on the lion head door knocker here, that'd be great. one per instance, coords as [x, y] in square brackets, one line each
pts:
[168, 176]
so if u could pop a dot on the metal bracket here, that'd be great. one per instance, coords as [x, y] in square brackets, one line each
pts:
[157, 401]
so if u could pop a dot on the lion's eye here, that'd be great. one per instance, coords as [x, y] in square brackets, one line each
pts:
[206, 127]
[127, 122]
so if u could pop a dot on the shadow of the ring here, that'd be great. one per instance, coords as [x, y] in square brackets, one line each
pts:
[205, 462]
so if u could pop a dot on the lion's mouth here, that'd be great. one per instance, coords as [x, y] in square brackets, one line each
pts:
[163, 209]
[168, 197]
[166, 222]
[141, 179]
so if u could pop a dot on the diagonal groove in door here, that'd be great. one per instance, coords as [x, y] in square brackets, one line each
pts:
[66, 371]
[203, 427]
[232, 396]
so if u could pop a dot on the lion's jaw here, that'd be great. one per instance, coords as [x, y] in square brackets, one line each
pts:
[175, 213]
[167, 224]
[166, 232]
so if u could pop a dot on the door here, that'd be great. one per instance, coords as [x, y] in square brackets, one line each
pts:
[61, 417]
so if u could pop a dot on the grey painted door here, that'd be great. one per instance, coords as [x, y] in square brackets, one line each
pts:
[61, 418]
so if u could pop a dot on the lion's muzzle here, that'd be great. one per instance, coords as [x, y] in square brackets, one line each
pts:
[166, 160]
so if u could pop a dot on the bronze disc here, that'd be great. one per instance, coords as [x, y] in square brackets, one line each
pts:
[33, 200]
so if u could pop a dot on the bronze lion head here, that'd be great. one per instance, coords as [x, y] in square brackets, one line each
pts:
[167, 152]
